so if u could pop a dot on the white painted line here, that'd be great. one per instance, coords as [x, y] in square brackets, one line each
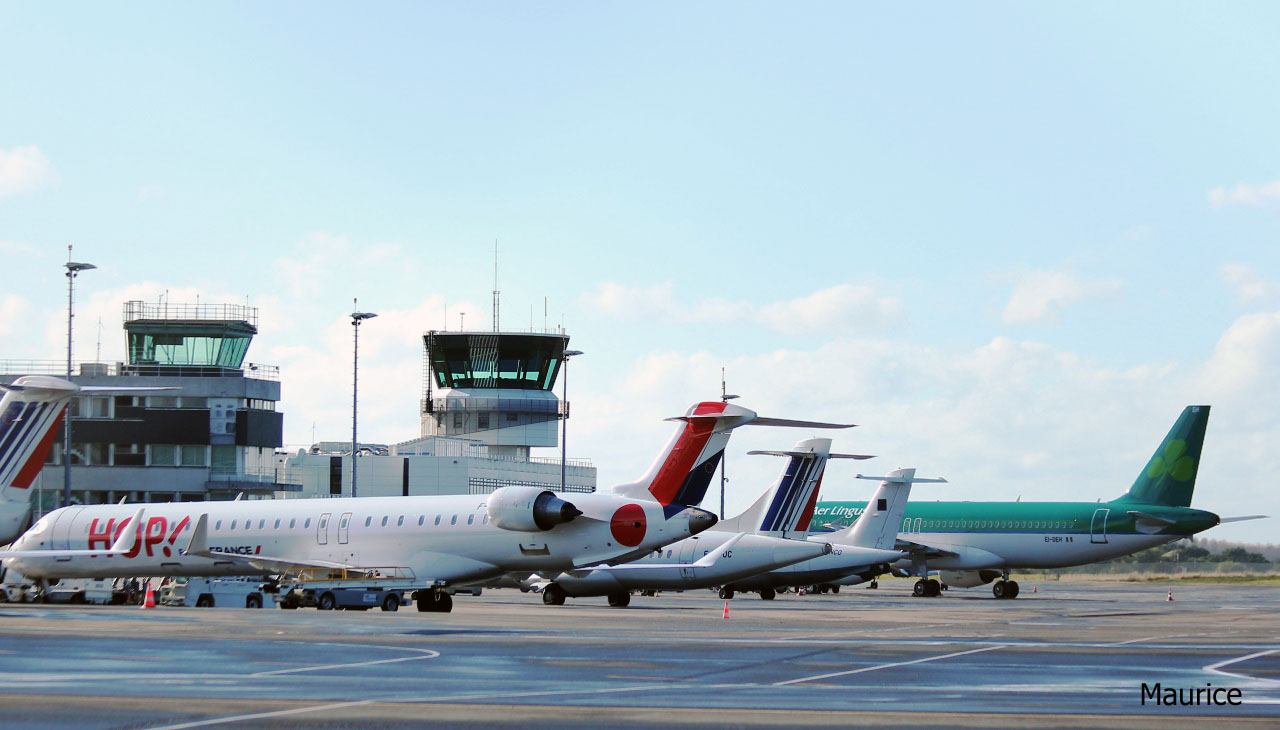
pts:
[1217, 667]
[263, 715]
[426, 654]
[888, 666]
[1135, 641]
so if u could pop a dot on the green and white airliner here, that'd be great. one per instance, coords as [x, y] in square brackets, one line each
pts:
[972, 543]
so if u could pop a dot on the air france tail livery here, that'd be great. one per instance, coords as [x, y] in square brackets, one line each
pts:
[438, 541]
[755, 541]
[973, 543]
[859, 553]
[30, 412]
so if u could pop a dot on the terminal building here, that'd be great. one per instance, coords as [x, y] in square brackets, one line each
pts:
[212, 434]
[488, 400]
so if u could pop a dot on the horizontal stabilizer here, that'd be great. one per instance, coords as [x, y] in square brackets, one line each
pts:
[787, 422]
[903, 479]
[1225, 520]
[807, 454]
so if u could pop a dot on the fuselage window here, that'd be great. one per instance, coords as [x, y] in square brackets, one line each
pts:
[400, 521]
[454, 520]
[262, 524]
[306, 523]
[384, 520]
[277, 527]
[437, 520]
[471, 519]
[233, 524]
[218, 525]
[293, 521]
[368, 520]
[486, 518]
[668, 553]
[421, 519]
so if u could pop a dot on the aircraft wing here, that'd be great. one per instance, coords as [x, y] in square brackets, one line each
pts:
[199, 547]
[706, 561]
[921, 549]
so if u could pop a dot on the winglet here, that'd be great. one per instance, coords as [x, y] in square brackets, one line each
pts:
[199, 544]
[127, 537]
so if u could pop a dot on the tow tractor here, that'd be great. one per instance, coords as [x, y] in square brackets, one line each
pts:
[328, 589]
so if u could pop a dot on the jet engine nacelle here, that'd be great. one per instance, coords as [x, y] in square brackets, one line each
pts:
[968, 578]
[528, 509]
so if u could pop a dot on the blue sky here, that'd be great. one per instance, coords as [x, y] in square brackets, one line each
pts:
[993, 235]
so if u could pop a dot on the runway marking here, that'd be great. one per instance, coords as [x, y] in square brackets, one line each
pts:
[426, 654]
[263, 715]
[1145, 638]
[888, 666]
[1216, 668]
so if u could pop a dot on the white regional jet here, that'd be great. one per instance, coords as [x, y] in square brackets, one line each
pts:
[875, 531]
[437, 540]
[766, 540]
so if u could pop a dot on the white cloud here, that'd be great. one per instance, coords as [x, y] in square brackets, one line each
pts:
[1245, 194]
[841, 308]
[1248, 284]
[1040, 296]
[24, 170]
[12, 311]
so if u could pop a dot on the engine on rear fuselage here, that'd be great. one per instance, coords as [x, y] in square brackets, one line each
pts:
[528, 509]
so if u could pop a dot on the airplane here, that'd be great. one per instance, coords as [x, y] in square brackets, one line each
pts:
[438, 540]
[765, 537]
[873, 532]
[974, 543]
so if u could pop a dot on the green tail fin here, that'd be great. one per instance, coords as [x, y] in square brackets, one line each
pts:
[1170, 477]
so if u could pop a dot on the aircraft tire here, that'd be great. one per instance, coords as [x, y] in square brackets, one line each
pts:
[553, 595]
[726, 593]
[253, 601]
[935, 588]
[391, 602]
[835, 589]
[920, 589]
[327, 602]
[1000, 589]
[767, 594]
[620, 599]
[1013, 589]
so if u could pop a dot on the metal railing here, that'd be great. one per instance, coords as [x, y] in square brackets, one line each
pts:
[504, 405]
[261, 475]
[255, 371]
[191, 312]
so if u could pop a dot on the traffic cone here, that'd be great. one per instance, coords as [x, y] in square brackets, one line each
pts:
[1033, 589]
[1169, 597]
[726, 611]
[149, 601]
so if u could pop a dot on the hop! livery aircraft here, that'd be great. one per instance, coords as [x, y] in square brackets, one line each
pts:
[973, 543]
[439, 541]
[767, 536]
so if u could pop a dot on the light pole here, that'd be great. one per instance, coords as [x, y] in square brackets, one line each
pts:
[73, 268]
[356, 318]
[724, 398]
[564, 422]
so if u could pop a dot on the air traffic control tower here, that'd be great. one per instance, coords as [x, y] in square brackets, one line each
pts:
[494, 387]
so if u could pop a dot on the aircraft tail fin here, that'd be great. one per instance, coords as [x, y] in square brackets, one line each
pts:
[679, 477]
[1169, 478]
[791, 499]
[877, 526]
[30, 412]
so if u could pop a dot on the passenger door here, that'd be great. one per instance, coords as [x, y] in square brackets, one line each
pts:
[1098, 529]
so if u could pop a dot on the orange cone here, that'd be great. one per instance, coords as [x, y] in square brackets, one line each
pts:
[1169, 597]
[726, 610]
[1033, 589]
[149, 601]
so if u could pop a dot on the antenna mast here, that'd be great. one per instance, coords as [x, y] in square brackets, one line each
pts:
[496, 293]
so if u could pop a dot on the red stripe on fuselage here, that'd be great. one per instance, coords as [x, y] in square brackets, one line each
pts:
[684, 455]
[35, 462]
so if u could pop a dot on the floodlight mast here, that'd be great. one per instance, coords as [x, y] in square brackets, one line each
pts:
[73, 268]
[356, 318]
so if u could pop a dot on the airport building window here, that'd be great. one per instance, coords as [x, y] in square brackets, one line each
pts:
[163, 454]
[483, 420]
[513, 417]
[162, 401]
[194, 455]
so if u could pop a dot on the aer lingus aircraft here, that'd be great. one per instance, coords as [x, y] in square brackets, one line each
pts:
[972, 543]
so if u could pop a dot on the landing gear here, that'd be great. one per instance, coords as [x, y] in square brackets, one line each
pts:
[874, 584]
[554, 595]
[1005, 589]
[726, 593]
[618, 600]
[927, 588]
[435, 600]
[767, 594]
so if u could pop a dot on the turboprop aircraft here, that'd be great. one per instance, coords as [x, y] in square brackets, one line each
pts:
[763, 538]
[874, 532]
[973, 543]
[436, 540]
[31, 410]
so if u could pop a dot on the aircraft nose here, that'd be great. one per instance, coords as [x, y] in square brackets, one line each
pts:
[700, 520]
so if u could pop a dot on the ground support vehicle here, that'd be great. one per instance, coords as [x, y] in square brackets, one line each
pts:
[213, 592]
[386, 588]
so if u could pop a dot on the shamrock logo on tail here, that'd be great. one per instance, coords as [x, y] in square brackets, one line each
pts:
[1172, 463]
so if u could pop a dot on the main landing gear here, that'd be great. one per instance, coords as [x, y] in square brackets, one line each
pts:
[621, 599]
[1005, 588]
[435, 600]
[553, 595]
[927, 588]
